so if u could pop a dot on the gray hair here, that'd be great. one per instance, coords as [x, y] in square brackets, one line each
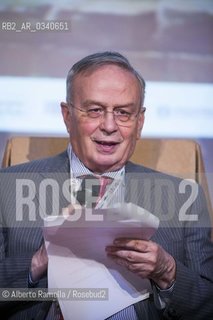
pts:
[96, 60]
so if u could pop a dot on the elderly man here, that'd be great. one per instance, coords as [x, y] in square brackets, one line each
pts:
[104, 116]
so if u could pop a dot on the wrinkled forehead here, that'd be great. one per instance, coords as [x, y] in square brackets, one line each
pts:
[107, 80]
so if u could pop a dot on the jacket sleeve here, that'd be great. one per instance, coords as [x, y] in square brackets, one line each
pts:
[18, 239]
[192, 294]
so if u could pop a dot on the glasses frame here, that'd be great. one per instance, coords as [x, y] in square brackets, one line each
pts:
[141, 110]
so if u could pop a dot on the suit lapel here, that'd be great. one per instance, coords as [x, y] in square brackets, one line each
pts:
[56, 178]
[133, 176]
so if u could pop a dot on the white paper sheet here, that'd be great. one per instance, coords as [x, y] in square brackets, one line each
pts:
[77, 259]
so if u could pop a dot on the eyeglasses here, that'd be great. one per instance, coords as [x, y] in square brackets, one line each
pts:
[120, 115]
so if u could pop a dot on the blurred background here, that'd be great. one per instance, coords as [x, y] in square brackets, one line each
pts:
[169, 41]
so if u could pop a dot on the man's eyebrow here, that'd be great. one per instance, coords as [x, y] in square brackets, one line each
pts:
[88, 103]
[127, 105]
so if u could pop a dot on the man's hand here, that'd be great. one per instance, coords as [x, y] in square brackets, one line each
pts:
[39, 263]
[40, 260]
[145, 258]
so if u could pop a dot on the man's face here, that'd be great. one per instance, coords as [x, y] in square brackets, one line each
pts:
[101, 144]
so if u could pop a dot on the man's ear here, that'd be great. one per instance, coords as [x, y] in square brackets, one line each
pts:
[141, 119]
[66, 115]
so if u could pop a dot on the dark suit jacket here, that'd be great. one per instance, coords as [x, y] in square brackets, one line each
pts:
[187, 241]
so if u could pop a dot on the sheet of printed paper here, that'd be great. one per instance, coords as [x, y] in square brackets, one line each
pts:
[77, 260]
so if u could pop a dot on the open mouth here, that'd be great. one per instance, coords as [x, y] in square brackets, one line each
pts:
[106, 147]
[106, 143]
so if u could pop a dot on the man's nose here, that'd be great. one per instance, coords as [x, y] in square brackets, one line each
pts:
[108, 122]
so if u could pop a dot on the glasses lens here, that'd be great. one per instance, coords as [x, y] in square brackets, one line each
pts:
[95, 113]
[122, 117]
